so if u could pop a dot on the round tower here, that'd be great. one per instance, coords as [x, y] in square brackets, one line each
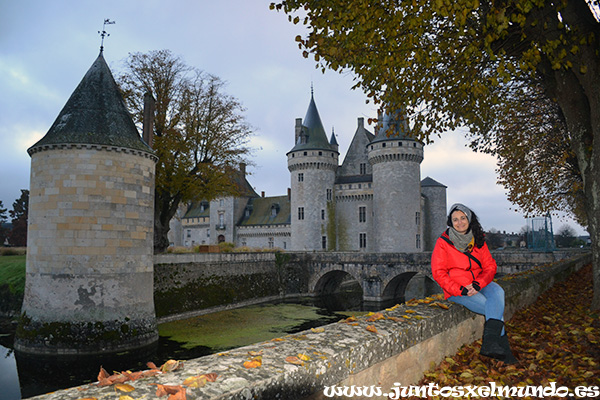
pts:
[395, 158]
[434, 223]
[312, 163]
[89, 275]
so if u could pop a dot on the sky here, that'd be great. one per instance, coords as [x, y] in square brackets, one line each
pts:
[46, 47]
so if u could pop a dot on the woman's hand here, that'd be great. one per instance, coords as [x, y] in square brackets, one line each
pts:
[470, 290]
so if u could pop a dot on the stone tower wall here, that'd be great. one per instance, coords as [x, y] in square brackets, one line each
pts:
[435, 214]
[318, 175]
[396, 195]
[89, 251]
[348, 203]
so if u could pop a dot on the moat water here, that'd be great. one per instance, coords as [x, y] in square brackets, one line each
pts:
[23, 376]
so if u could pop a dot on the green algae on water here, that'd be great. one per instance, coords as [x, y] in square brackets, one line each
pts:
[242, 326]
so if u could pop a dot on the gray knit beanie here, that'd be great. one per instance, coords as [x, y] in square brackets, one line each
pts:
[460, 207]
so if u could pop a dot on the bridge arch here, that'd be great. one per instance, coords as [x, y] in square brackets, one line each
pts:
[324, 281]
[396, 286]
[409, 284]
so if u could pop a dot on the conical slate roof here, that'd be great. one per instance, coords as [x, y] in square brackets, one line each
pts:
[392, 127]
[429, 182]
[94, 114]
[316, 138]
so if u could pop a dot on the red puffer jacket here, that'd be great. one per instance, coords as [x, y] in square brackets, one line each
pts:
[453, 270]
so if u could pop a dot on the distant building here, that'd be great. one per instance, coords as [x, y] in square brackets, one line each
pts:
[375, 201]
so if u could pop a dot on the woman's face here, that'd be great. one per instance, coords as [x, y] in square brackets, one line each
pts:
[459, 221]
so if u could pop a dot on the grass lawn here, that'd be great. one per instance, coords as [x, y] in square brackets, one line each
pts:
[12, 272]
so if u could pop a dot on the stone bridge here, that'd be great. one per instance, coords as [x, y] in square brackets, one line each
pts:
[226, 279]
[381, 277]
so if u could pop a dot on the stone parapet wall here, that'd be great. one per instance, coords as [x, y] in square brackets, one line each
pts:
[345, 353]
[193, 284]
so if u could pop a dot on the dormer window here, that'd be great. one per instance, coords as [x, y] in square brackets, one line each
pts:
[274, 210]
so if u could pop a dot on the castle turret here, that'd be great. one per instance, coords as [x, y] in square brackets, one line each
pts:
[434, 222]
[312, 163]
[89, 275]
[395, 158]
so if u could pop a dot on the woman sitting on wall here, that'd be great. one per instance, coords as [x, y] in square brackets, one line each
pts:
[462, 265]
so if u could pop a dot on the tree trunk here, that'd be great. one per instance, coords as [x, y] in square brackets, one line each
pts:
[579, 98]
[165, 207]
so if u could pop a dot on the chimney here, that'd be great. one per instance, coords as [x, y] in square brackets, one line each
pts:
[243, 168]
[289, 194]
[148, 123]
[361, 122]
[262, 194]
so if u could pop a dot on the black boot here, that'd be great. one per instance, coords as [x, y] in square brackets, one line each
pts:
[490, 343]
[509, 358]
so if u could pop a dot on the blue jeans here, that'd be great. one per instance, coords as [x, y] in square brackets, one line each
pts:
[489, 302]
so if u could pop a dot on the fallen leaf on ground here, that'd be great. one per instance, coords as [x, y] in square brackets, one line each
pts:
[254, 363]
[171, 365]
[123, 387]
[294, 360]
[375, 317]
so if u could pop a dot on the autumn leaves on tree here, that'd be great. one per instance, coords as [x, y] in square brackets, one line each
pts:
[200, 133]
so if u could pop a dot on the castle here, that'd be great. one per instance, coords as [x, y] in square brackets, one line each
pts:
[375, 201]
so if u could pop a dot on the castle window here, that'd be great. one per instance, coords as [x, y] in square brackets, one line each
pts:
[189, 233]
[320, 153]
[329, 194]
[300, 213]
[208, 233]
[305, 153]
[284, 245]
[362, 214]
[414, 145]
[363, 168]
[400, 144]
[324, 242]
[417, 218]
[418, 241]
[322, 214]
[221, 202]
[383, 144]
[362, 240]
[300, 177]
[271, 243]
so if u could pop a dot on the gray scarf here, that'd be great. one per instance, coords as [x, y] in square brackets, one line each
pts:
[462, 242]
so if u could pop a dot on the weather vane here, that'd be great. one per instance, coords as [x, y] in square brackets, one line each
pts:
[103, 33]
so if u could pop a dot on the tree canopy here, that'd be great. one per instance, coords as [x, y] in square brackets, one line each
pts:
[200, 133]
[18, 233]
[478, 64]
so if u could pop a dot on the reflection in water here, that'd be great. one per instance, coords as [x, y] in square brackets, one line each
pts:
[9, 379]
